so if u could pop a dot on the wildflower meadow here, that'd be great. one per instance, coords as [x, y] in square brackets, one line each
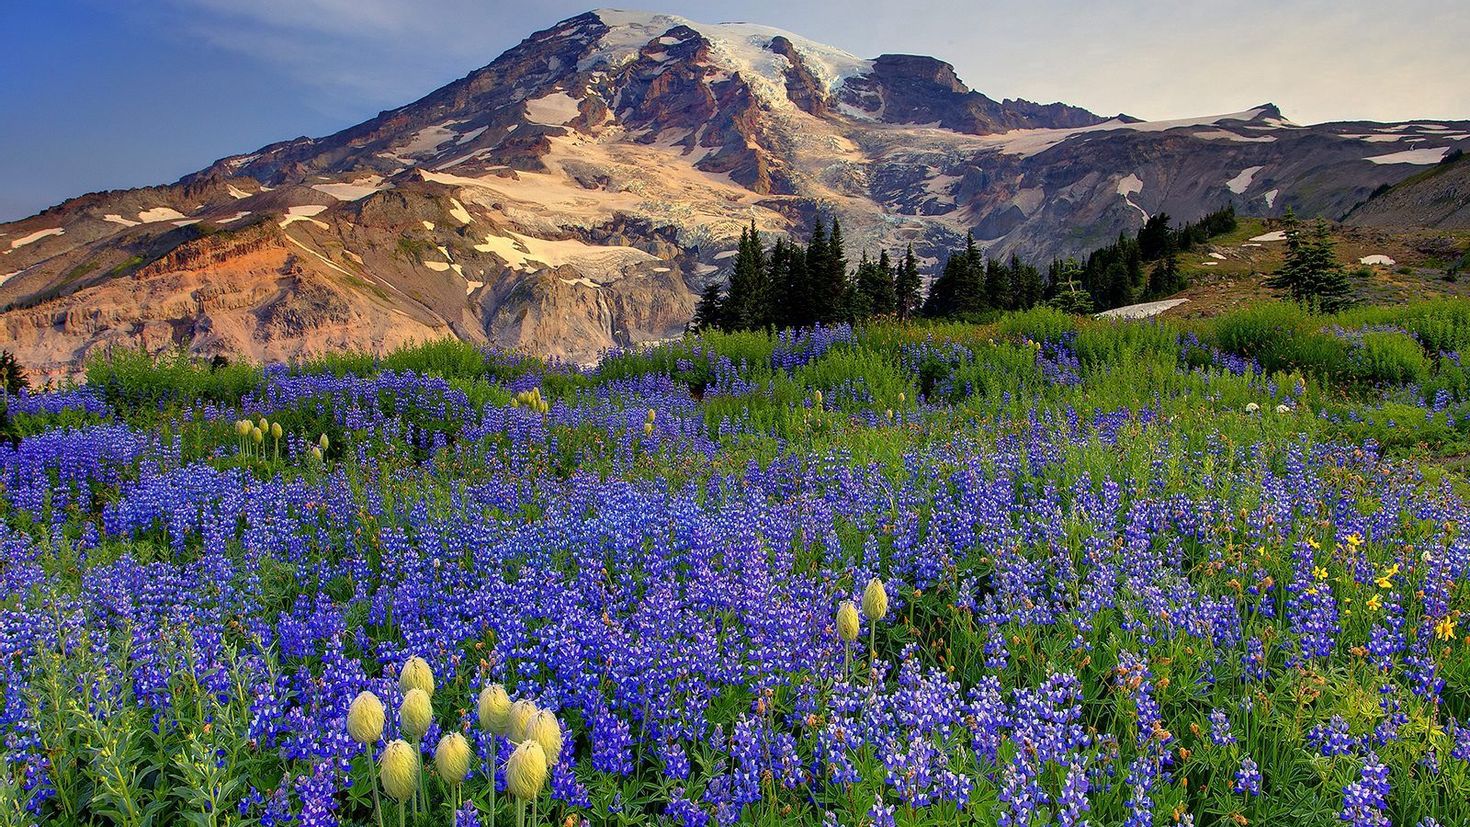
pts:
[1044, 571]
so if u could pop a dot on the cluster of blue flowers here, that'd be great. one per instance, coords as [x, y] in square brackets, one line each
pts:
[1096, 616]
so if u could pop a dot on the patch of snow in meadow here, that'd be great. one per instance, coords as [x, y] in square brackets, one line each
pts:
[1380, 260]
[1242, 182]
[1141, 311]
[555, 109]
[1129, 186]
[1413, 156]
[457, 210]
[35, 236]
[306, 212]
[1226, 135]
[1278, 235]
[355, 190]
[1271, 198]
[117, 219]
[159, 214]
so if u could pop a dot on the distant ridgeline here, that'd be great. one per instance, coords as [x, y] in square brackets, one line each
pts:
[793, 285]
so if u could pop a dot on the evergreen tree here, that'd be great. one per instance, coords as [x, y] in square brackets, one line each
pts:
[1155, 237]
[830, 276]
[1164, 279]
[873, 293]
[820, 303]
[1068, 295]
[906, 284]
[707, 314]
[1311, 272]
[997, 285]
[1027, 285]
[12, 375]
[748, 306]
[1116, 286]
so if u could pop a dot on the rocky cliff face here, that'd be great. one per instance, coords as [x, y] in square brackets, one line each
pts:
[578, 192]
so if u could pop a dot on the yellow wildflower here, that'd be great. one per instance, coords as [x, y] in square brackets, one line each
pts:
[1445, 629]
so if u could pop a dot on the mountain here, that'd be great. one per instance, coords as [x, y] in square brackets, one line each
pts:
[1438, 198]
[577, 193]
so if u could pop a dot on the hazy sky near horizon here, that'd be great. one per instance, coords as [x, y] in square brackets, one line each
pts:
[104, 94]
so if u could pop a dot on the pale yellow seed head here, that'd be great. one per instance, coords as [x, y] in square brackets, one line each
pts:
[257, 434]
[648, 429]
[323, 443]
[416, 674]
[494, 709]
[817, 398]
[875, 600]
[316, 452]
[520, 715]
[652, 414]
[276, 430]
[264, 424]
[399, 768]
[365, 718]
[847, 621]
[415, 714]
[452, 759]
[525, 771]
[544, 729]
[242, 427]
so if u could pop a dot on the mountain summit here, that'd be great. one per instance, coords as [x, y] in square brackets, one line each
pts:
[579, 191]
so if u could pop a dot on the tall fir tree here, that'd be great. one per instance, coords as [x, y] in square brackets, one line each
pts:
[1311, 273]
[748, 305]
[1027, 286]
[833, 278]
[707, 313]
[997, 285]
[1068, 294]
[907, 286]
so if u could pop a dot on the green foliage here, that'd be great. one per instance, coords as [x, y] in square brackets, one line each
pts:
[133, 379]
[1388, 357]
[1119, 342]
[1040, 324]
[1311, 274]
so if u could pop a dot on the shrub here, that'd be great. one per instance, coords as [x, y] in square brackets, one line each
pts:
[1041, 324]
[132, 378]
[1388, 357]
[1114, 341]
[1280, 336]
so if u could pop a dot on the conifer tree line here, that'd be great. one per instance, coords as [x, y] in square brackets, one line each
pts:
[788, 284]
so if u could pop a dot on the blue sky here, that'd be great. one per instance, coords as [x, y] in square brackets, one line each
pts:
[101, 95]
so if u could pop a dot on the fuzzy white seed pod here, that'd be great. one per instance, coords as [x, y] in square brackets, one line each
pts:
[415, 714]
[452, 759]
[521, 713]
[875, 600]
[416, 674]
[525, 771]
[544, 729]
[494, 709]
[365, 718]
[399, 768]
[847, 621]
